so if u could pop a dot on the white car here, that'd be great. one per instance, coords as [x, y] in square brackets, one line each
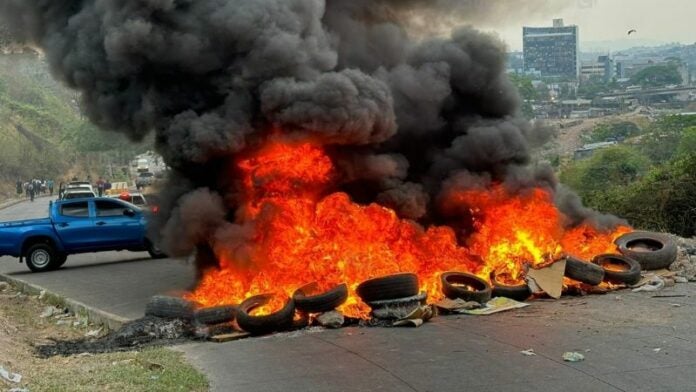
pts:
[78, 193]
[79, 185]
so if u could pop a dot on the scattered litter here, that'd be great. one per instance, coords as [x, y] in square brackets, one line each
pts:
[93, 333]
[11, 377]
[657, 350]
[681, 279]
[49, 311]
[4, 286]
[548, 279]
[676, 305]
[332, 319]
[495, 305]
[63, 322]
[81, 355]
[528, 352]
[152, 366]
[42, 294]
[655, 283]
[122, 362]
[668, 296]
[572, 356]
[18, 390]
[416, 318]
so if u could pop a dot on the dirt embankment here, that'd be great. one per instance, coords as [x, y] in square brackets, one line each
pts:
[27, 322]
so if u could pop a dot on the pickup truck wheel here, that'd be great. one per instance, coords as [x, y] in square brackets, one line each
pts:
[60, 260]
[154, 251]
[41, 257]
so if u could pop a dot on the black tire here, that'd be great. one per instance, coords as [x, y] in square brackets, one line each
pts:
[388, 287]
[215, 314]
[583, 271]
[480, 291]
[651, 250]
[167, 307]
[154, 251]
[261, 325]
[630, 275]
[41, 257]
[518, 292]
[60, 260]
[322, 302]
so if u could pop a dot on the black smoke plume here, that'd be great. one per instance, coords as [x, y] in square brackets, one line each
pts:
[408, 118]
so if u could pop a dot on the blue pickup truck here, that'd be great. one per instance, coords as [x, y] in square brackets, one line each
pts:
[76, 226]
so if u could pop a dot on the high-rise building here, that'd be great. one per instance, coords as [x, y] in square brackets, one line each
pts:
[552, 51]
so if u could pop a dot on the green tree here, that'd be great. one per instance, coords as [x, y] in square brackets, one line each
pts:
[605, 170]
[662, 139]
[687, 144]
[527, 92]
[658, 75]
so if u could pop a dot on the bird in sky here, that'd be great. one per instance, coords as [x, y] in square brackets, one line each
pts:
[632, 31]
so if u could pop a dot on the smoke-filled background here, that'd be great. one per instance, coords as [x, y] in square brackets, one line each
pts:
[408, 116]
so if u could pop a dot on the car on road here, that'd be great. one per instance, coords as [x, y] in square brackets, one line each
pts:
[144, 179]
[79, 185]
[78, 193]
[138, 199]
[76, 226]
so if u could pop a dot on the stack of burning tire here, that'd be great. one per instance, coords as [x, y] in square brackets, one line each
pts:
[638, 251]
[392, 297]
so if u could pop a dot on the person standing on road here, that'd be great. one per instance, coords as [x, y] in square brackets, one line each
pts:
[19, 187]
[100, 186]
[30, 190]
[50, 187]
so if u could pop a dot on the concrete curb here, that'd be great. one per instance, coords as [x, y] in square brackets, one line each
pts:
[14, 202]
[10, 203]
[97, 316]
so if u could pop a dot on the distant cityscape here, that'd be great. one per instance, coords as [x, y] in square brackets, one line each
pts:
[571, 84]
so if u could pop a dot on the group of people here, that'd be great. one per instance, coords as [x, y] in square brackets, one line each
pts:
[34, 187]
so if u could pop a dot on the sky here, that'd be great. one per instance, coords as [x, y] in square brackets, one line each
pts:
[657, 22]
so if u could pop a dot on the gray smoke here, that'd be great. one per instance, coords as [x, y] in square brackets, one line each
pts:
[407, 118]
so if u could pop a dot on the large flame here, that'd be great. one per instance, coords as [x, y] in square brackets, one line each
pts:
[302, 233]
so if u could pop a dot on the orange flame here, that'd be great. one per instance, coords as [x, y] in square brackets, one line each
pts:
[302, 233]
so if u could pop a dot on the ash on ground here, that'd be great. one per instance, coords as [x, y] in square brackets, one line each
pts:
[145, 332]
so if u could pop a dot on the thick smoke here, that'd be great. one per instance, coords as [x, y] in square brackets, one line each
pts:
[407, 118]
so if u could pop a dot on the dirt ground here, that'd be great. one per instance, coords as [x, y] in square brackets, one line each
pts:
[27, 321]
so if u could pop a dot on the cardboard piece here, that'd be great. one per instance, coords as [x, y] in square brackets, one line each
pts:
[228, 337]
[495, 305]
[548, 279]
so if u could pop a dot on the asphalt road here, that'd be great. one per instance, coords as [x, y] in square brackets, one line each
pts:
[631, 341]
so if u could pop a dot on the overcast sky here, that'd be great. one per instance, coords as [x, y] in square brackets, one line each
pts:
[657, 21]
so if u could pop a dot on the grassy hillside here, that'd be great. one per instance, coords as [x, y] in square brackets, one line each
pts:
[42, 132]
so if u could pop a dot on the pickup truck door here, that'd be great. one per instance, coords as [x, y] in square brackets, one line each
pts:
[73, 225]
[117, 225]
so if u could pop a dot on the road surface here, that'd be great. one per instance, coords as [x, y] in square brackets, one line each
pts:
[631, 341]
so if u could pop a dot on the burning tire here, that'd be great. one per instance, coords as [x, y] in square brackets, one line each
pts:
[651, 250]
[519, 292]
[259, 325]
[465, 286]
[388, 287]
[584, 272]
[322, 302]
[629, 274]
[163, 306]
[215, 315]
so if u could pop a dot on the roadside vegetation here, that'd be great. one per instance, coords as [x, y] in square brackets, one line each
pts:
[22, 327]
[648, 179]
[43, 131]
